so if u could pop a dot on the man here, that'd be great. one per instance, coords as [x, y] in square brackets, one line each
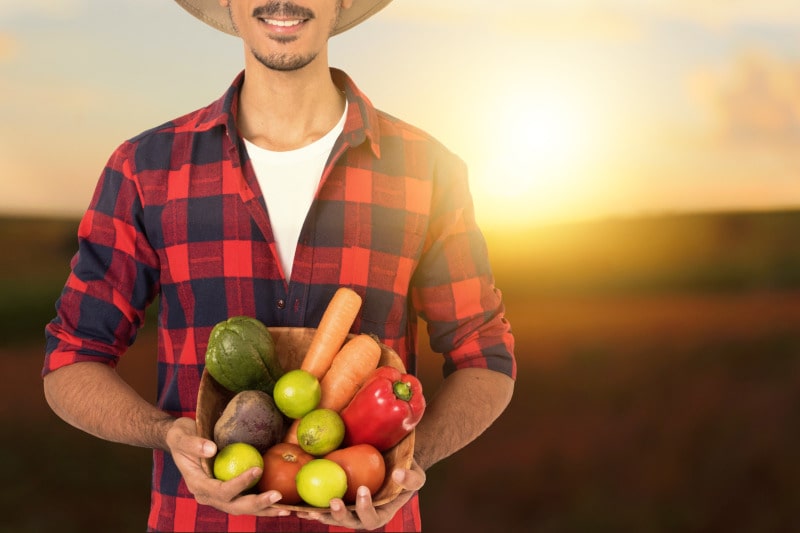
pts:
[262, 204]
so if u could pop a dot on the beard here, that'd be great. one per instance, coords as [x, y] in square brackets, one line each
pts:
[285, 62]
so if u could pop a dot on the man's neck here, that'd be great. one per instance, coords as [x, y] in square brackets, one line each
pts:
[288, 110]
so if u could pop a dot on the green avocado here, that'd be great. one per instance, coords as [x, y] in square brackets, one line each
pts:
[241, 355]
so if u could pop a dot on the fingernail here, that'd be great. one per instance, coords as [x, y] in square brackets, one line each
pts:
[335, 506]
[363, 491]
[398, 476]
[209, 449]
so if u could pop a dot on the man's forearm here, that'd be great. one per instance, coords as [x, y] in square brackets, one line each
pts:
[95, 399]
[467, 403]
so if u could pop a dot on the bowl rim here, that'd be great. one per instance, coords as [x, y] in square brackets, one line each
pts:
[213, 396]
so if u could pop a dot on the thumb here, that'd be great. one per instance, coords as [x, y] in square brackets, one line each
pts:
[207, 448]
[409, 479]
[182, 437]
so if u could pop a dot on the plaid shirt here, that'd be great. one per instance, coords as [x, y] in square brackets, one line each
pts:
[178, 214]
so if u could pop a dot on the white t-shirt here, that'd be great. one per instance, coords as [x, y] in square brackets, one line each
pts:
[288, 181]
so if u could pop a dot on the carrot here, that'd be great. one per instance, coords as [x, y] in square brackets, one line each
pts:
[291, 435]
[350, 368]
[333, 328]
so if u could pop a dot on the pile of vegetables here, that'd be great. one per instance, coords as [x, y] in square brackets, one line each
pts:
[378, 405]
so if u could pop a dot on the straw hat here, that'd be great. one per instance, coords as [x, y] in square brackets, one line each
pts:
[210, 12]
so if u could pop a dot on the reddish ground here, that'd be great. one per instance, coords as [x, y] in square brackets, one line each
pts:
[671, 413]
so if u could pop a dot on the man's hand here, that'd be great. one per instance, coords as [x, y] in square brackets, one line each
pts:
[187, 451]
[367, 516]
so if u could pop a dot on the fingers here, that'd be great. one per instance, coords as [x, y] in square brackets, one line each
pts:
[366, 515]
[188, 450]
[409, 479]
[227, 491]
[253, 504]
[339, 512]
[227, 496]
[182, 436]
[366, 512]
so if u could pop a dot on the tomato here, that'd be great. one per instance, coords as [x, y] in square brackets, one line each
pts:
[363, 464]
[281, 464]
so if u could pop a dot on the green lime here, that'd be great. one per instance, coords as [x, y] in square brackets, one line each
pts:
[297, 393]
[320, 432]
[319, 481]
[236, 459]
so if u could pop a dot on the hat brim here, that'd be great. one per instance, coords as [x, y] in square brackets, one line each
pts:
[213, 14]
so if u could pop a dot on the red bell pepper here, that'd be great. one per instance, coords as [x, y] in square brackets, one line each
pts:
[384, 410]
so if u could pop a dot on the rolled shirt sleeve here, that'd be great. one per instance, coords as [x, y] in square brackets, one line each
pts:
[453, 287]
[113, 276]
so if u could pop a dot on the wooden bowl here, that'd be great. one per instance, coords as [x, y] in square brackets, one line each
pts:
[291, 345]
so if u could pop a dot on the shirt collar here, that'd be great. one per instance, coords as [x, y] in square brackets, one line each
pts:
[360, 125]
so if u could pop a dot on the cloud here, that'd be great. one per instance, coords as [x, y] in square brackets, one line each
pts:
[755, 101]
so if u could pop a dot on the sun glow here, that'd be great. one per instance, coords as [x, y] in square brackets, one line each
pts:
[541, 139]
[537, 148]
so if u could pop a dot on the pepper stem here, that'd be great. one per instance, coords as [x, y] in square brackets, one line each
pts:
[402, 389]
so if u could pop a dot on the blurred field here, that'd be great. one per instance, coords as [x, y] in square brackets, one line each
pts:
[658, 390]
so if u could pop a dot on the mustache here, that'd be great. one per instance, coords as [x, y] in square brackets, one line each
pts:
[282, 9]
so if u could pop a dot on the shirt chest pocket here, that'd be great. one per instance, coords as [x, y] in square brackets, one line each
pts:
[384, 262]
[395, 232]
[385, 251]
[201, 240]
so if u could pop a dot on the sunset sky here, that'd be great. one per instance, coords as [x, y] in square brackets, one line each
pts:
[563, 109]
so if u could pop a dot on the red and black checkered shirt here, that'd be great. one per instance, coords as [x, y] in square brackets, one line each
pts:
[178, 214]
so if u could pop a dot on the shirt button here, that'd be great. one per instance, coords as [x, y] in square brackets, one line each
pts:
[281, 304]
